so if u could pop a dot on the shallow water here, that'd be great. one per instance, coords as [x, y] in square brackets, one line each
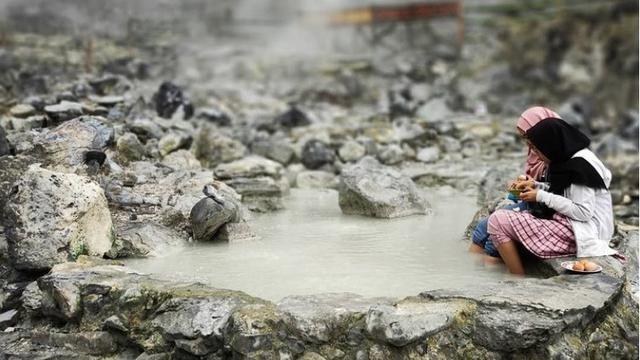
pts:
[311, 247]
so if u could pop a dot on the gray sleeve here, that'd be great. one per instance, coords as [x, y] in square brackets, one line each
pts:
[578, 204]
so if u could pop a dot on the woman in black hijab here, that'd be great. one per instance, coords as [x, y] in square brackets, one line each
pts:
[571, 213]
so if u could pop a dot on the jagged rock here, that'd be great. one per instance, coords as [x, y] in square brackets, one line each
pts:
[351, 151]
[144, 240]
[316, 154]
[99, 343]
[8, 318]
[213, 149]
[181, 159]
[316, 179]
[65, 110]
[252, 166]
[251, 328]
[66, 145]
[129, 148]
[172, 142]
[369, 188]
[54, 217]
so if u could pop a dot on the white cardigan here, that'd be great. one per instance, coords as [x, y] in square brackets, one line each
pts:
[589, 210]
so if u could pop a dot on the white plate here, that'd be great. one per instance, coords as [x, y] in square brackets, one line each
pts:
[569, 266]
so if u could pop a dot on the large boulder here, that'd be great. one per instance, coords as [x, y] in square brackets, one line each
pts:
[208, 215]
[371, 189]
[55, 217]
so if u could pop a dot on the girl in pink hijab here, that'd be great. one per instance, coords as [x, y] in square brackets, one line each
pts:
[535, 166]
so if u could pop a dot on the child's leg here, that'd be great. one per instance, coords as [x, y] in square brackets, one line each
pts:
[502, 236]
[474, 248]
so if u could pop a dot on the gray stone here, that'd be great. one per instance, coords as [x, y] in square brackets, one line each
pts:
[250, 167]
[429, 154]
[8, 318]
[22, 110]
[434, 110]
[212, 148]
[64, 295]
[172, 142]
[114, 322]
[181, 159]
[144, 240]
[129, 148]
[65, 110]
[251, 328]
[392, 154]
[108, 100]
[371, 189]
[351, 151]
[316, 179]
[191, 318]
[146, 129]
[235, 232]
[316, 154]
[5, 146]
[99, 343]
[54, 217]
[278, 150]
[406, 323]
[30, 123]
[64, 147]
[207, 216]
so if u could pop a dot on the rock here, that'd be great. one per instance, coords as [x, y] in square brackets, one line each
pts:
[252, 166]
[234, 232]
[434, 110]
[371, 189]
[351, 151]
[32, 122]
[168, 99]
[391, 155]
[22, 110]
[215, 116]
[406, 323]
[316, 179]
[213, 149]
[144, 240]
[279, 150]
[5, 147]
[181, 159]
[55, 217]
[109, 100]
[251, 328]
[65, 110]
[146, 129]
[129, 148]
[172, 142]
[8, 318]
[99, 343]
[450, 144]
[64, 147]
[207, 216]
[317, 317]
[310, 355]
[192, 318]
[261, 193]
[316, 154]
[293, 117]
[429, 154]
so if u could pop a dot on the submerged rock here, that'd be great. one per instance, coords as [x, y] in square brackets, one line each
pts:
[55, 217]
[371, 189]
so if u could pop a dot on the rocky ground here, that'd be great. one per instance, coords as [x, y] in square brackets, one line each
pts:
[118, 150]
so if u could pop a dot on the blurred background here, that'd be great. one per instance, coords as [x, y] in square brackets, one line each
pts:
[395, 76]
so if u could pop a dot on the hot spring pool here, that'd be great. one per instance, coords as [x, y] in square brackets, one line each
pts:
[311, 247]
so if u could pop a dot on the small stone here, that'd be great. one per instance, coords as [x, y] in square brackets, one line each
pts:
[182, 159]
[315, 154]
[22, 110]
[114, 322]
[129, 148]
[109, 100]
[429, 154]
[8, 318]
[172, 142]
[65, 110]
[351, 151]
[316, 179]
[391, 155]
[293, 117]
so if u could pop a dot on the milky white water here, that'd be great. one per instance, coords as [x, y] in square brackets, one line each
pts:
[311, 247]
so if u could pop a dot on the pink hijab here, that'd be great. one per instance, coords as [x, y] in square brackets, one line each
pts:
[535, 166]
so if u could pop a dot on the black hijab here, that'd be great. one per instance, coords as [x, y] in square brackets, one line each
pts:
[558, 142]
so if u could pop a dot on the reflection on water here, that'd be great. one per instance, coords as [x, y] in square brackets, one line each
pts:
[311, 247]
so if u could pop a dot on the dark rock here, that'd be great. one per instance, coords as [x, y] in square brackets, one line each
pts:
[293, 117]
[169, 98]
[5, 147]
[316, 154]
[369, 188]
[215, 116]
[65, 110]
[207, 216]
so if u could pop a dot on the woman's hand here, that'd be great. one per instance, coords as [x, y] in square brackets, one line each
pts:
[529, 194]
